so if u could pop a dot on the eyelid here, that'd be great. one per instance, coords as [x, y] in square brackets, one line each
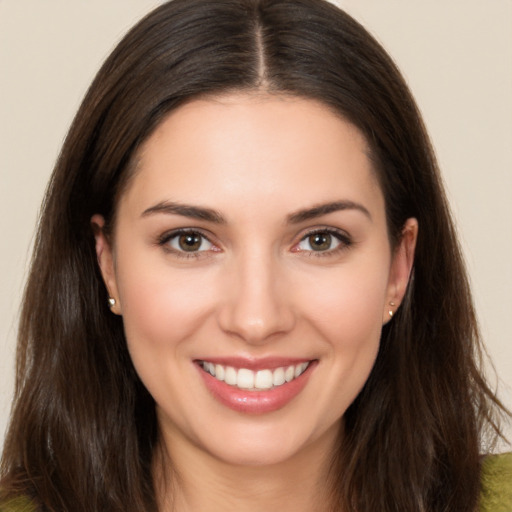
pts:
[164, 238]
[345, 241]
[342, 236]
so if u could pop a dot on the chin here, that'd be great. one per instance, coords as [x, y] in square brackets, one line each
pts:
[267, 445]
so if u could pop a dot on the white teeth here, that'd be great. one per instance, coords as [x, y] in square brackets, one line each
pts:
[254, 381]
[219, 371]
[245, 379]
[278, 377]
[263, 379]
[230, 376]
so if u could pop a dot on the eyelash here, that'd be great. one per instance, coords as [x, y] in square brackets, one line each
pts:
[345, 242]
[164, 240]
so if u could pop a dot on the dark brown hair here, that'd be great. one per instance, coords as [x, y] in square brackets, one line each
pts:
[83, 430]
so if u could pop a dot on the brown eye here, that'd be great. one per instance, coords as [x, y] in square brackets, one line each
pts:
[190, 242]
[320, 241]
[323, 241]
[187, 241]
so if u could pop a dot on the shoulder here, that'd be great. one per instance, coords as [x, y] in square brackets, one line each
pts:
[496, 493]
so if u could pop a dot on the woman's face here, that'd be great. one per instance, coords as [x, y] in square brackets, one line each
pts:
[252, 244]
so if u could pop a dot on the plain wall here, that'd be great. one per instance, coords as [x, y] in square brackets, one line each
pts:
[455, 54]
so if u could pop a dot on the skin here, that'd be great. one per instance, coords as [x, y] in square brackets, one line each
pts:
[256, 288]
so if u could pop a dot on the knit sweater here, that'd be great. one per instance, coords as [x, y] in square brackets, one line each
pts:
[496, 494]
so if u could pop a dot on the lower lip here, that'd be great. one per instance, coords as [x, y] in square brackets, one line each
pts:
[256, 402]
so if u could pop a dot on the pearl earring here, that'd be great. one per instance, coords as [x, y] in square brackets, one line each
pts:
[391, 313]
[111, 302]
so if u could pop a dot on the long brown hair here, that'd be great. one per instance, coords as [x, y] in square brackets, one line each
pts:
[83, 430]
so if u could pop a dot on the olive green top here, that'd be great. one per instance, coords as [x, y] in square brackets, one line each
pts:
[496, 488]
[497, 484]
[18, 505]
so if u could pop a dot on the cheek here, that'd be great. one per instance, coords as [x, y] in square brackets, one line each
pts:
[162, 310]
[347, 314]
[346, 305]
[161, 306]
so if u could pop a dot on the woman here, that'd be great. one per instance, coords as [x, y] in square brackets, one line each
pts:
[246, 289]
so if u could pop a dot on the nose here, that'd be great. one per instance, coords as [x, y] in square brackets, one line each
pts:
[256, 306]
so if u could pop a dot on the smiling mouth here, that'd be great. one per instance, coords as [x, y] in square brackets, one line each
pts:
[249, 380]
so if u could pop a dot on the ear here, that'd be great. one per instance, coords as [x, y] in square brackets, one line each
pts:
[401, 268]
[105, 256]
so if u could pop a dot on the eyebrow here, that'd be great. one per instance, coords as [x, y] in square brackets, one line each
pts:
[324, 209]
[210, 215]
[185, 210]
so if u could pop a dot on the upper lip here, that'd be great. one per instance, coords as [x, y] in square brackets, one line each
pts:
[263, 363]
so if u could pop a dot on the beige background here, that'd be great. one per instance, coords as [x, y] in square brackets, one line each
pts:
[456, 55]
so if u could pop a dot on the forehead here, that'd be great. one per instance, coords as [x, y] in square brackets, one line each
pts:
[250, 148]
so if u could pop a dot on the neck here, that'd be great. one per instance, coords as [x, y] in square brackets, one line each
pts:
[196, 481]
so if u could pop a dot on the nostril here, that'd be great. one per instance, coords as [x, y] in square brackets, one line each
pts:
[255, 327]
